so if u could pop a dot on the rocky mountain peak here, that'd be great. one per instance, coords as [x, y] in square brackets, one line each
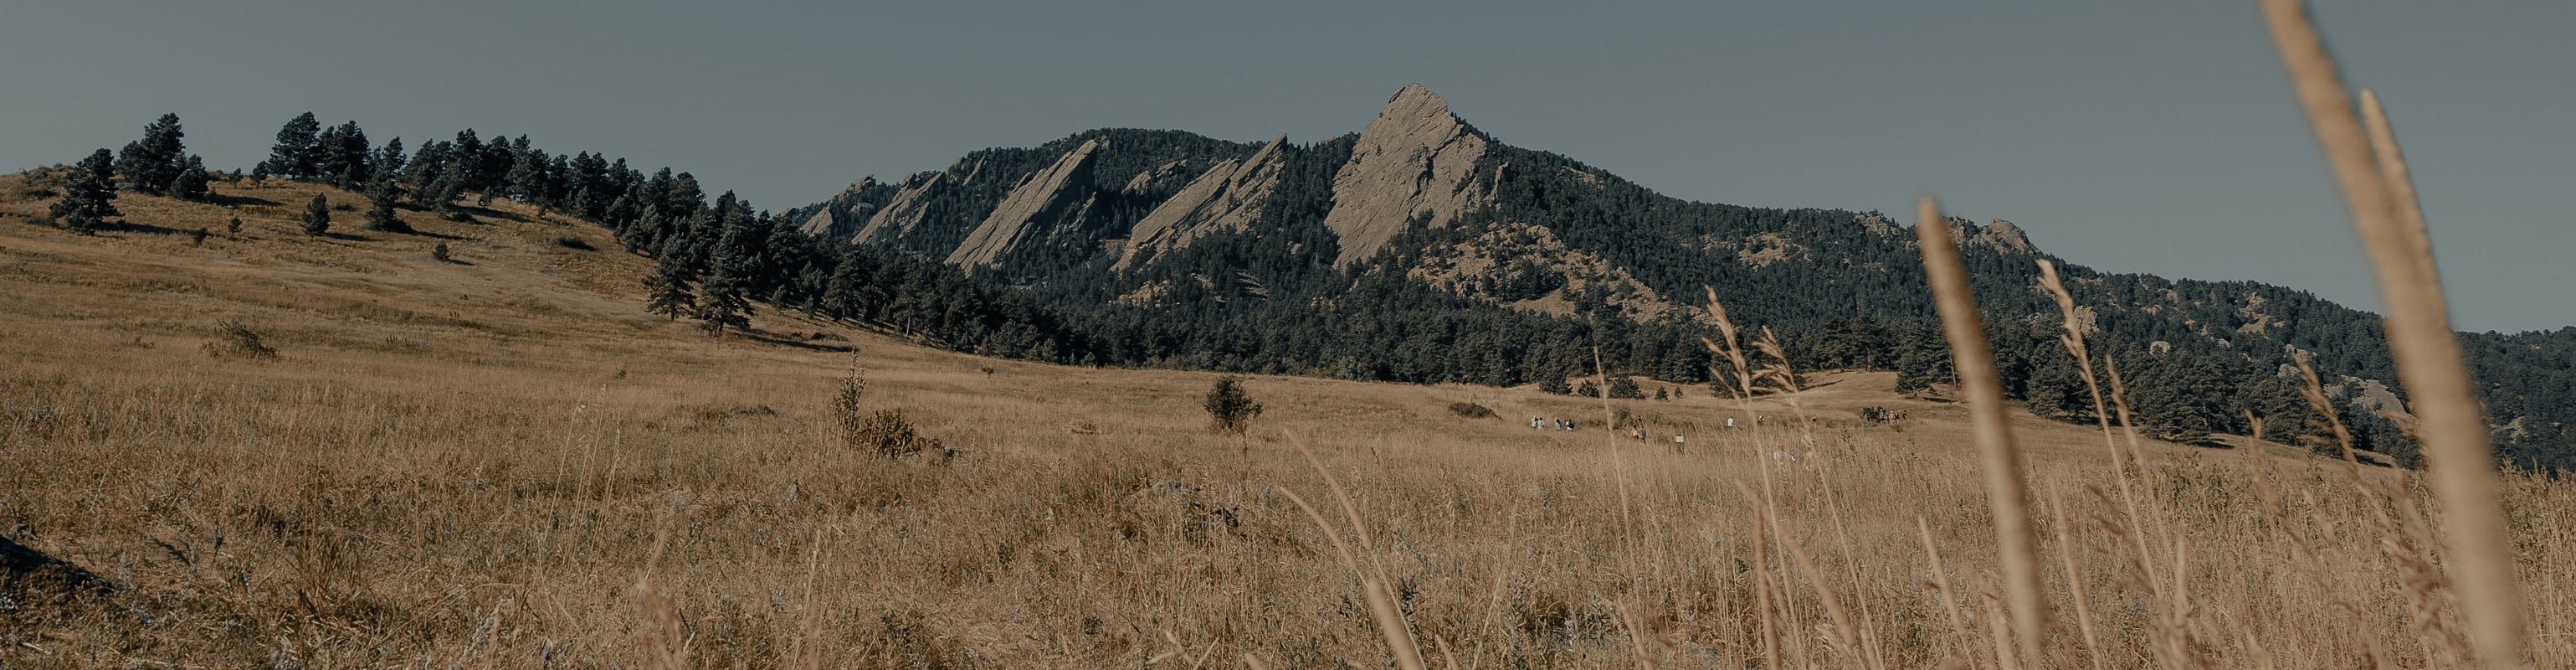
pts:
[1414, 160]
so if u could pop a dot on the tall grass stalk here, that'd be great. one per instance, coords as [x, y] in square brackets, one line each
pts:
[2006, 490]
[2452, 429]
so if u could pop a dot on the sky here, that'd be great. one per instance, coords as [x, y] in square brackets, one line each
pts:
[2154, 137]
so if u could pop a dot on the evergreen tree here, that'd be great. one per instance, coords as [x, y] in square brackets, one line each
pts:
[1229, 408]
[190, 183]
[294, 155]
[388, 162]
[527, 176]
[346, 157]
[670, 295]
[1923, 359]
[444, 190]
[727, 302]
[89, 194]
[317, 215]
[425, 167]
[151, 163]
[382, 193]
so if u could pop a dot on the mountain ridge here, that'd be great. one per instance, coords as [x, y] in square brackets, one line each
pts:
[1422, 200]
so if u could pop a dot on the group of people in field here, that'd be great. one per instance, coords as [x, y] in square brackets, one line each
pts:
[1637, 433]
[1884, 415]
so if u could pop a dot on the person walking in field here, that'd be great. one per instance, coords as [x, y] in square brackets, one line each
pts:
[1677, 445]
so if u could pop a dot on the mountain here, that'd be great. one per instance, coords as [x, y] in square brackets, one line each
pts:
[1422, 249]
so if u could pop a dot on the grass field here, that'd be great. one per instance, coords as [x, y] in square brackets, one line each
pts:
[503, 461]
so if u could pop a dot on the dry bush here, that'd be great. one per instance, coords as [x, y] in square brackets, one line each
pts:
[236, 338]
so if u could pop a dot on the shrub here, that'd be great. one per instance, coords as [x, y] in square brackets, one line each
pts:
[892, 435]
[1554, 383]
[1626, 387]
[1230, 408]
[238, 338]
[573, 242]
[1471, 410]
[1588, 390]
[439, 253]
[845, 406]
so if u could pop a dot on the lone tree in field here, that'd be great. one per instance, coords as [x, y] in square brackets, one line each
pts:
[1231, 409]
[89, 195]
[317, 215]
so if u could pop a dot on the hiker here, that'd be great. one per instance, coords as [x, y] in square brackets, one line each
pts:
[1677, 445]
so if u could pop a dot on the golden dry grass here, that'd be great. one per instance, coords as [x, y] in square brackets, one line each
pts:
[509, 464]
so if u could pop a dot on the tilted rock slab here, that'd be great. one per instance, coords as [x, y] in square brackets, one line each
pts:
[1415, 159]
[1229, 196]
[1059, 193]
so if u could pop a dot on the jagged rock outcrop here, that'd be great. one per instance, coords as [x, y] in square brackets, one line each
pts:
[1229, 196]
[842, 217]
[1058, 195]
[2003, 236]
[1415, 159]
[905, 211]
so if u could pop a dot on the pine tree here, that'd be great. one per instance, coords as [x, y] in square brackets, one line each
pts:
[317, 215]
[443, 191]
[349, 157]
[1229, 408]
[191, 182]
[233, 227]
[151, 163]
[1923, 359]
[727, 302]
[527, 176]
[293, 156]
[389, 160]
[89, 194]
[670, 295]
[382, 193]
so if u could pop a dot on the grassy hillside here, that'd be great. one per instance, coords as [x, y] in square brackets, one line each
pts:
[502, 461]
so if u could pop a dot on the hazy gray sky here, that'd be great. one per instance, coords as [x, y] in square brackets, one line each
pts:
[2153, 136]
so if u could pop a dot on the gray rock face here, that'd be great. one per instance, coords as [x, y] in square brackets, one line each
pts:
[904, 212]
[1057, 195]
[1415, 159]
[839, 224]
[2005, 237]
[1228, 196]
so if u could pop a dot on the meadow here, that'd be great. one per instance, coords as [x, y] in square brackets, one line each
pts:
[501, 460]
[270, 449]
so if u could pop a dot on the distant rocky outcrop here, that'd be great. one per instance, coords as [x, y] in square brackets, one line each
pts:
[1229, 196]
[905, 211]
[1415, 160]
[1057, 195]
[851, 209]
